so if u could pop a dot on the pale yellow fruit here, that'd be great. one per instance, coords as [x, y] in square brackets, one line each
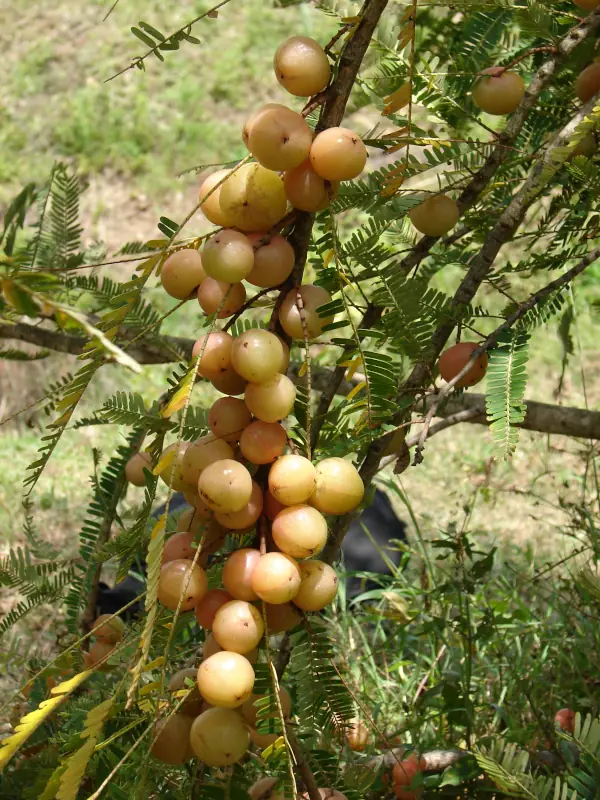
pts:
[339, 487]
[226, 298]
[134, 469]
[318, 586]
[226, 679]
[292, 480]
[211, 207]
[300, 531]
[279, 138]
[172, 745]
[182, 273]
[435, 216]
[273, 260]
[307, 190]
[257, 355]
[338, 154]
[201, 453]
[219, 737]
[290, 316]
[255, 199]
[498, 94]
[271, 400]
[276, 578]
[214, 350]
[228, 256]
[225, 486]
[301, 66]
[248, 516]
[238, 626]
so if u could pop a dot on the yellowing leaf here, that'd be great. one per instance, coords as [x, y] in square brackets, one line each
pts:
[32, 721]
[302, 370]
[358, 388]
[354, 365]
[328, 258]
[149, 687]
[277, 746]
[158, 662]
[165, 461]
[178, 400]
[397, 100]
[71, 778]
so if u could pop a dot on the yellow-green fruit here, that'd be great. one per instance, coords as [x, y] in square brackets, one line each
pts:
[318, 586]
[226, 679]
[301, 66]
[498, 94]
[435, 216]
[182, 273]
[254, 197]
[219, 737]
[339, 487]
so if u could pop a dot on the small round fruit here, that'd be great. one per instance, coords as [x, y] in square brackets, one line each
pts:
[237, 573]
[587, 5]
[238, 626]
[182, 273]
[219, 737]
[263, 442]
[300, 531]
[248, 516]
[263, 740]
[210, 647]
[226, 679]
[172, 745]
[214, 350]
[301, 66]
[404, 773]
[587, 146]
[225, 486]
[134, 469]
[209, 605]
[201, 453]
[171, 474]
[226, 298]
[257, 355]
[108, 629]
[565, 719]
[338, 154]
[182, 545]
[588, 82]
[290, 317]
[278, 137]
[227, 418]
[228, 256]
[193, 519]
[272, 400]
[179, 578]
[307, 190]
[272, 507]
[455, 359]
[273, 260]
[435, 216]
[229, 382]
[357, 736]
[192, 705]
[282, 618]
[255, 198]
[327, 794]
[250, 709]
[292, 480]
[318, 586]
[498, 94]
[211, 207]
[99, 652]
[285, 361]
[276, 578]
[339, 487]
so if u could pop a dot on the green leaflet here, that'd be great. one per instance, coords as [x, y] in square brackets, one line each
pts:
[505, 389]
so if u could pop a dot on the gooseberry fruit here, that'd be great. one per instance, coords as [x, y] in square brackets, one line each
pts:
[290, 317]
[276, 578]
[99, 652]
[180, 546]
[247, 517]
[271, 506]
[339, 487]
[273, 260]
[108, 629]
[403, 775]
[192, 705]
[172, 745]
[214, 350]
[278, 137]
[271, 400]
[238, 626]
[455, 359]
[587, 5]
[498, 94]
[357, 736]
[301, 66]
[565, 719]
[182, 273]
[263, 790]
[262, 442]
[318, 586]
[338, 154]
[237, 573]
[219, 737]
[282, 617]
[228, 417]
[178, 578]
[588, 82]
[211, 207]
[226, 298]
[225, 485]
[255, 199]
[134, 469]
[435, 216]
[209, 605]
[201, 453]
[300, 531]
[228, 256]
[257, 355]
[225, 679]
[307, 190]
[229, 382]
[292, 479]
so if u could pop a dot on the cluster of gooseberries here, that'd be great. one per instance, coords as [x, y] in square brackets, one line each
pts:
[242, 477]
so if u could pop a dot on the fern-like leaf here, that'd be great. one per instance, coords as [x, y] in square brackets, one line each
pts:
[505, 390]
